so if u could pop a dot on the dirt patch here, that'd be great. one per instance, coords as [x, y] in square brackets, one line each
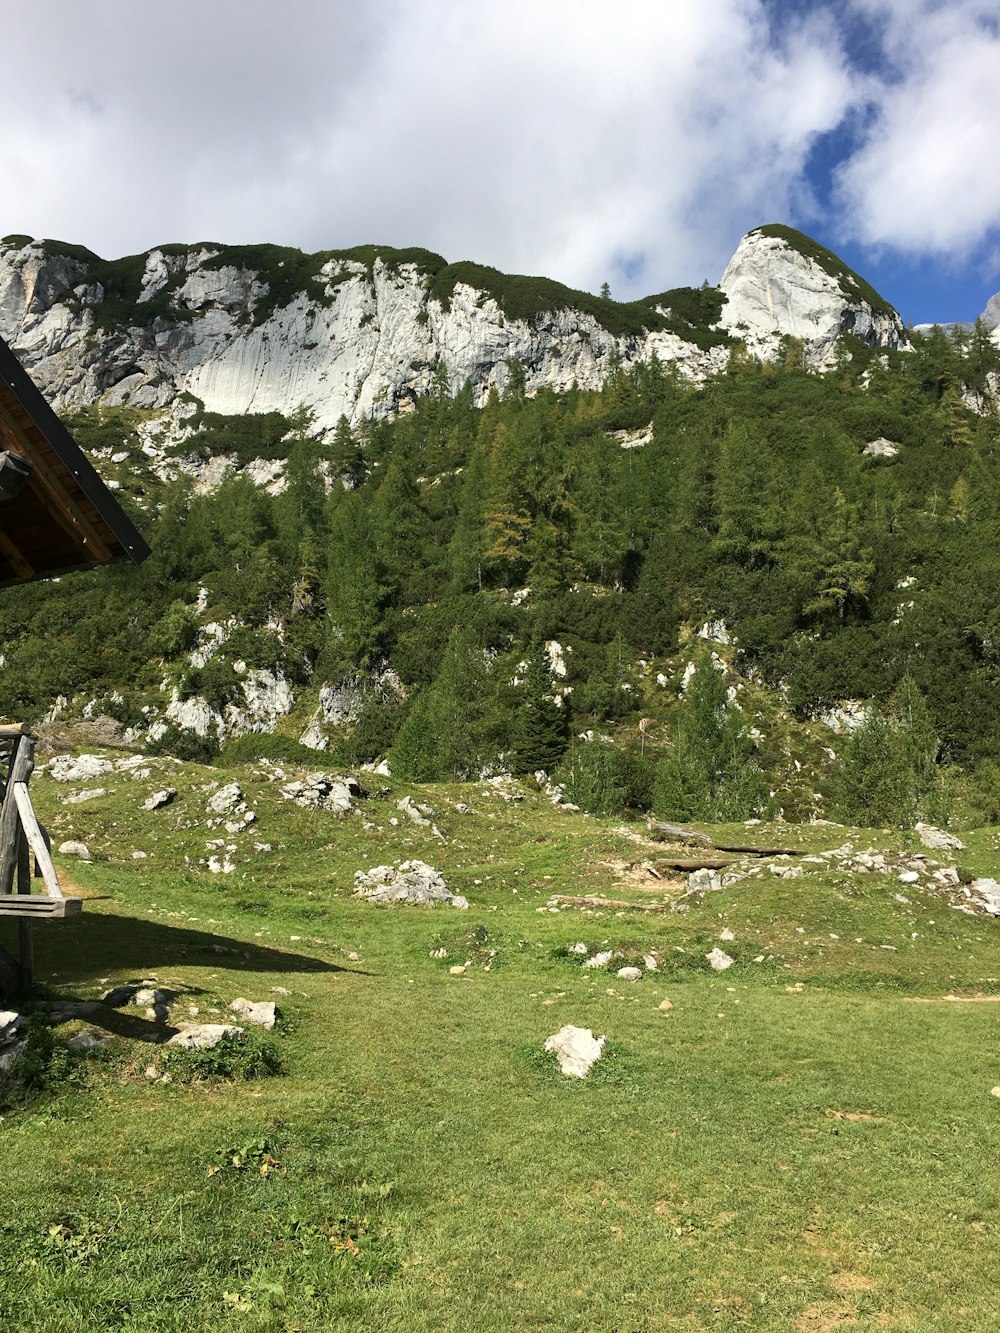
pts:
[952, 999]
[71, 888]
[639, 877]
[823, 1318]
[847, 1283]
[865, 1116]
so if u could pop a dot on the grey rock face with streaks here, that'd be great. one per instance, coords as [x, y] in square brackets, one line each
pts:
[366, 341]
[774, 290]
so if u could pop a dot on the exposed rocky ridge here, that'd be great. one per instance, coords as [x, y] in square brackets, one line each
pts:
[363, 337]
[780, 283]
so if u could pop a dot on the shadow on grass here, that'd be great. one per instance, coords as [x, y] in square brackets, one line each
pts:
[95, 944]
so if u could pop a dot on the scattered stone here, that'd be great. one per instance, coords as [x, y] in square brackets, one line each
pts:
[86, 1041]
[908, 877]
[600, 959]
[650, 962]
[846, 716]
[139, 856]
[78, 797]
[988, 893]
[665, 1006]
[719, 961]
[79, 849]
[412, 811]
[11, 1023]
[411, 882]
[458, 970]
[704, 881]
[579, 947]
[148, 995]
[575, 1049]
[260, 1012]
[939, 841]
[81, 768]
[238, 825]
[880, 448]
[995, 1092]
[161, 798]
[438, 953]
[505, 788]
[203, 1036]
[630, 973]
[782, 871]
[726, 935]
[227, 800]
[280, 990]
[322, 791]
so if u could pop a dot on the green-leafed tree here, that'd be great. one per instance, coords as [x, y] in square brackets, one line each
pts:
[456, 728]
[709, 772]
[345, 455]
[888, 774]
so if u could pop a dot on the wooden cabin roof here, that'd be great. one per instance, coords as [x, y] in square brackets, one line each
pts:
[65, 517]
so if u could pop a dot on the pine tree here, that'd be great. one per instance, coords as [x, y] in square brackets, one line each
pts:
[415, 754]
[888, 774]
[709, 773]
[346, 459]
[538, 731]
[456, 728]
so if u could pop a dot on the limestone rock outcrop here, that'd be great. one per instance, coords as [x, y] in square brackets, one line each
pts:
[243, 332]
[779, 283]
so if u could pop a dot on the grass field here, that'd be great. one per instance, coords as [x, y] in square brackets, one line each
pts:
[807, 1142]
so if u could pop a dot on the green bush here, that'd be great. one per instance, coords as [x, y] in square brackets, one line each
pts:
[589, 776]
[268, 745]
[235, 1059]
[185, 745]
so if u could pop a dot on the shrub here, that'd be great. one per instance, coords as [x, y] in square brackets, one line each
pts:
[185, 745]
[235, 1059]
[268, 745]
[589, 777]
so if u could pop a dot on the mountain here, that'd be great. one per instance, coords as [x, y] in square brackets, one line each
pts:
[362, 333]
[467, 582]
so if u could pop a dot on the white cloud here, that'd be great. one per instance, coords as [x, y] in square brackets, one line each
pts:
[927, 178]
[573, 139]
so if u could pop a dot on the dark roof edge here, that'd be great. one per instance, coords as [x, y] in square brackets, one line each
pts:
[71, 456]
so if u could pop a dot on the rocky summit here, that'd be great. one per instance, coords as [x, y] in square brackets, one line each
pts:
[363, 333]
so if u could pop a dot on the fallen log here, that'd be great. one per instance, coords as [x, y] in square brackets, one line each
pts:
[758, 851]
[594, 900]
[689, 863]
[660, 832]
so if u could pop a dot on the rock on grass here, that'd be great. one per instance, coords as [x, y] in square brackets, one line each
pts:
[411, 882]
[575, 1049]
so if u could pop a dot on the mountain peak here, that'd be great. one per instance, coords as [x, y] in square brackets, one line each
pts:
[781, 282]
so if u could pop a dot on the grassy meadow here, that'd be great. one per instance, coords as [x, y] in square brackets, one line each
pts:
[804, 1142]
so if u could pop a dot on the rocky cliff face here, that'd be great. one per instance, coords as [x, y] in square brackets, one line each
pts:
[780, 283]
[363, 337]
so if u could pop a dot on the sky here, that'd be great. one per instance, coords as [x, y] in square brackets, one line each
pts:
[631, 143]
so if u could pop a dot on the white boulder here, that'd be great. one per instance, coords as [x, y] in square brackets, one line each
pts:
[576, 1050]
[203, 1036]
[412, 882]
